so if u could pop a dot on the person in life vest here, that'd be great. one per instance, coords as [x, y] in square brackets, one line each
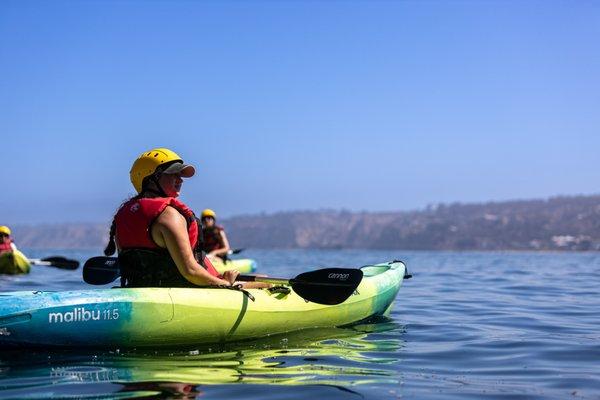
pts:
[156, 235]
[214, 242]
[6, 242]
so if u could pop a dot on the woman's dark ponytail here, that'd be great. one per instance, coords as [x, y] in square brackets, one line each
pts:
[111, 247]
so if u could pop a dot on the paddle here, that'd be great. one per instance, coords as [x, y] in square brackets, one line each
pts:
[56, 261]
[101, 270]
[225, 257]
[323, 286]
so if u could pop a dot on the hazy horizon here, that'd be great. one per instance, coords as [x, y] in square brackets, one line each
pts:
[281, 106]
[335, 210]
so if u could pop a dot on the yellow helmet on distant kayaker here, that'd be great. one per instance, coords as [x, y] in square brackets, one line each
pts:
[5, 230]
[209, 213]
[159, 160]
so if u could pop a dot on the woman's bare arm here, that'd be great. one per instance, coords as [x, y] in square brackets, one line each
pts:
[170, 231]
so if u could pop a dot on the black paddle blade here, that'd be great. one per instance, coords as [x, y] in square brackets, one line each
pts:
[101, 270]
[62, 262]
[327, 286]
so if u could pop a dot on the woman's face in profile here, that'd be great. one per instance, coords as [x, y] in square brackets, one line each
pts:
[171, 184]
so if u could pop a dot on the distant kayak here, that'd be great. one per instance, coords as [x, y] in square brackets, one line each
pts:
[244, 265]
[154, 317]
[14, 263]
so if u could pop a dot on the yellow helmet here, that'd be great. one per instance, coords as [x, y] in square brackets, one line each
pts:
[209, 213]
[5, 230]
[148, 163]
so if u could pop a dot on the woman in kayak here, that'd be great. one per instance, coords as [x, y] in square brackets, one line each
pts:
[214, 242]
[6, 243]
[12, 261]
[156, 234]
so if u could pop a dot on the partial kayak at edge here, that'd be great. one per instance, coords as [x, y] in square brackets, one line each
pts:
[14, 263]
[166, 317]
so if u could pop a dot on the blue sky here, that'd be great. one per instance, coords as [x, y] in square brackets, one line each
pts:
[360, 105]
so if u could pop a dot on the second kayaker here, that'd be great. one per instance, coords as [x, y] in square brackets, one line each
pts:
[12, 261]
[214, 242]
[156, 235]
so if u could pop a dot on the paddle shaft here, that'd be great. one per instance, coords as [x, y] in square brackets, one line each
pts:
[37, 261]
[57, 262]
[284, 281]
[324, 286]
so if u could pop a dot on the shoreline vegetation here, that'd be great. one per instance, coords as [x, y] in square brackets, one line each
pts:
[559, 223]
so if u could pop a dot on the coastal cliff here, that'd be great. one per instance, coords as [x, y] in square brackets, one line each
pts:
[560, 223]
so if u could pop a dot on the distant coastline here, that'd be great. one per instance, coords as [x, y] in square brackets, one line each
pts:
[559, 223]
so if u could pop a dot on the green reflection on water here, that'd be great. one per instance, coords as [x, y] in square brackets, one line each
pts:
[362, 354]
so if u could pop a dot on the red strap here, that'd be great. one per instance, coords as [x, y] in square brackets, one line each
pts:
[209, 267]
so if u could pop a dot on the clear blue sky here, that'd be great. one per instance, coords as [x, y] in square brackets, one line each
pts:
[292, 105]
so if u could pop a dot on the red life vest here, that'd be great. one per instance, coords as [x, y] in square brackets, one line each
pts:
[212, 238]
[5, 246]
[135, 218]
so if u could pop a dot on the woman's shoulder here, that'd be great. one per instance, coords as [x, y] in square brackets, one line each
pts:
[172, 211]
[171, 218]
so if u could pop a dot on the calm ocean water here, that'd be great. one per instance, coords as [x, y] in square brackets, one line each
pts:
[468, 325]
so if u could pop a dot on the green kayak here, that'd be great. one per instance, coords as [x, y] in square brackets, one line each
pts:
[14, 263]
[154, 317]
[244, 265]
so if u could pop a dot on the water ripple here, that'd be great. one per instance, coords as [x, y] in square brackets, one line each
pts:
[468, 325]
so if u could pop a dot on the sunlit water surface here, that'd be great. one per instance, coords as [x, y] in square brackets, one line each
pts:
[468, 325]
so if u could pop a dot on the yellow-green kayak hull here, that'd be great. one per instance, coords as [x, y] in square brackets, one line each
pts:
[14, 263]
[154, 317]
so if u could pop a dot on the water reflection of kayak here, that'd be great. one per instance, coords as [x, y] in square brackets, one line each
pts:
[13, 263]
[326, 356]
[153, 317]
